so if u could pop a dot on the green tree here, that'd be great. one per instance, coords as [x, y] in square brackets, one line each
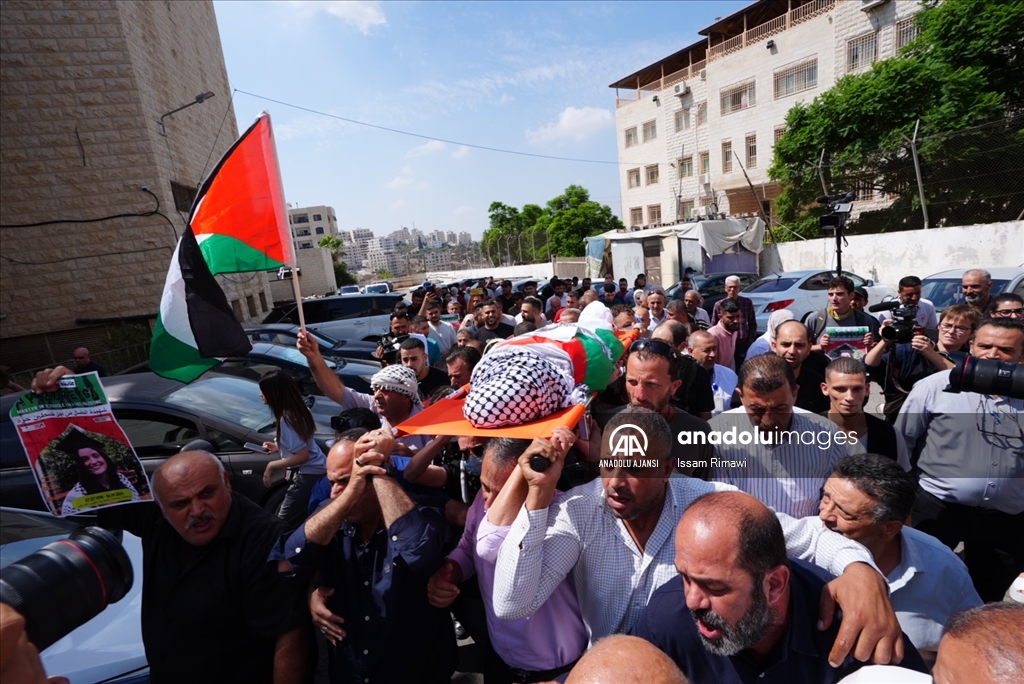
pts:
[341, 274]
[965, 68]
[573, 218]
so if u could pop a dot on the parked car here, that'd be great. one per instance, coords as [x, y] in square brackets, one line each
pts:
[266, 357]
[160, 416]
[943, 289]
[712, 287]
[377, 288]
[802, 292]
[349, 289]
[343, 317]
[107, 648]
[287, 334]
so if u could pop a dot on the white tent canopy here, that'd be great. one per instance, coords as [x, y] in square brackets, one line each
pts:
[716, 237]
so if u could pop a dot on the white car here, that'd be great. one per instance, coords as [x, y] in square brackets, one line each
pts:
[944, 289]
[108, 648]
[802, 292]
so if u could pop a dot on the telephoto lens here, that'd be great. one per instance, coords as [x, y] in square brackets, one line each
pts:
[66, 583]
[986, 376]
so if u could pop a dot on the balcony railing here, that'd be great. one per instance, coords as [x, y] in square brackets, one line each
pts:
[769, 28]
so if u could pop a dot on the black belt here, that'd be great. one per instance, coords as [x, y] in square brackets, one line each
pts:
[528, 677]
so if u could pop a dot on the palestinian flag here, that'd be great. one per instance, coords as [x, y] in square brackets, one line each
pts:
[237, 224]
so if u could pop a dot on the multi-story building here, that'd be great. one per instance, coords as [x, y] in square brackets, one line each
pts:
[451, 238]
[312, 224]
[437, 259]
[400, 236]
[378, 261]
[384, 244]
[104, 142]
[465, 238]
[696, 129]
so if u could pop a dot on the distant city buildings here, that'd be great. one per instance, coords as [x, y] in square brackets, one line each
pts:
[311, 224]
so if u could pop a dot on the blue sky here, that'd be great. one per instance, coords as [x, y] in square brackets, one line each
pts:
[525, 76]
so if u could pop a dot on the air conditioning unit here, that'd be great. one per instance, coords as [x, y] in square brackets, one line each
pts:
[708, 210]
[703, 179]
[682, 89]
[695, 213]
[703, 74]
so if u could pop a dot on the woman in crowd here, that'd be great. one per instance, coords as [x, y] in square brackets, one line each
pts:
[295, 443]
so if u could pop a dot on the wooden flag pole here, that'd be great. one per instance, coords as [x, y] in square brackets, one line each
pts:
[285, 234]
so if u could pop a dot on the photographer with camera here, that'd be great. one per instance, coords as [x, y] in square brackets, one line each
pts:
[967, 445]
[898, 363]
[909, 293]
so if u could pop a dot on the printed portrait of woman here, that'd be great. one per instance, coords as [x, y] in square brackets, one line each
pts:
[96, 472]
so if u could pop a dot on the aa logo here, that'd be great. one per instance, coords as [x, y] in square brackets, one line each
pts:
[628, 441]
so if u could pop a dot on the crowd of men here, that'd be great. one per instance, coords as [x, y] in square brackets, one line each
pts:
[819, 538]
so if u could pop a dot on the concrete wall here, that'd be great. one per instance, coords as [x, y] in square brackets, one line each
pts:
[542, 270]
[317, 276]
[887, 257]
[82, 86]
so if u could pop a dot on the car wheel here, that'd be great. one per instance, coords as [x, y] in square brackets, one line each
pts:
[274, 498]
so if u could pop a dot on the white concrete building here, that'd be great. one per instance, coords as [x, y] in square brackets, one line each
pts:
[465, 238]
[378, 260]
[311, 224]
[690, 124]
[437, 259]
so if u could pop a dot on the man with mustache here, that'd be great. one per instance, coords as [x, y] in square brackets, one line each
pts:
[739, 610]
[213, 608]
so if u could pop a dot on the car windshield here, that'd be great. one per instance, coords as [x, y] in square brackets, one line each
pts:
[293, 355]
[376, 289]
[234, 400]
[771, 284]
[350, 289]
[945, 292]
[17, 528]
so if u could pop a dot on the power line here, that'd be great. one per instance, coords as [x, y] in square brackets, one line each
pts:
[430, 137]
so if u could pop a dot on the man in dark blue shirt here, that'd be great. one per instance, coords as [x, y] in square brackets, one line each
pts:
[374, 548]
[740, 611]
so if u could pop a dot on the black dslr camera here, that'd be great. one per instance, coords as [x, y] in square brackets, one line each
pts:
[904, 321]
[390, 345]
[985, 376]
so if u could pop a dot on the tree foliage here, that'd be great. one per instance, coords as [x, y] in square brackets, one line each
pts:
[965, 70]
[535, 233]
[341, 274]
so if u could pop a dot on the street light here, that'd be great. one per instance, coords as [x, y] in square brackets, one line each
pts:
[200, 99]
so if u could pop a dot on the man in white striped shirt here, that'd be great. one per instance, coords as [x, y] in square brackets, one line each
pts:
[616, 536]
[777, 453]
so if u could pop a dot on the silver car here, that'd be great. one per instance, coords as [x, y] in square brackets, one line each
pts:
[944, 289]
[802, 292]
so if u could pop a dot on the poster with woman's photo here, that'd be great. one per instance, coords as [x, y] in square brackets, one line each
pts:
[80, 456]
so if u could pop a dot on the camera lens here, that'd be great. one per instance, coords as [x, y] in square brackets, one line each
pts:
[66, 583]
[986, 376]
[898, 332]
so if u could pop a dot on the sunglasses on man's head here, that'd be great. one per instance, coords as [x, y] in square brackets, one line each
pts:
[399, 314]
[657, 346]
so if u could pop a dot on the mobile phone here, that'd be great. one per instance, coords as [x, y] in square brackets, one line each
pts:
[259, 448]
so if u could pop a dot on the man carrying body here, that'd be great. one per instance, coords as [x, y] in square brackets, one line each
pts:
[910, 295]
[492, 327]
[616, 536]
[969, 451]
[374, 548]
[739, 610]
[461, 361]
[703, 348]
[867, 499]
[196, 537]
[977, 286]
[725, 331]
[695, 394]
[792, 344]
[747, 329]
[531, 311]
[846, 386]
[85, 364]
[787, 455]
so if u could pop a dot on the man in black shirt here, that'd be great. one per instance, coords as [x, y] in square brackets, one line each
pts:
[792, 342]
[85, 364]
[492, 327]
[508, 301]
[414, 356]
[213, 608]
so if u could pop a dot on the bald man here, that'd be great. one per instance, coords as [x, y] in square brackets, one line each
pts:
[85, 364]
[213, 608]
[983, 644]
[739, 609]
[621, 659]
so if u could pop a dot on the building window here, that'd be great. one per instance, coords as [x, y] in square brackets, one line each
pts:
[861, 52]
[865, 190]
[236, 307]
[726, 156]
[306, 245]
[636, 216]
[302, 218]
[633, 178]
[184, 196]
[779, 132]
[686, 167]
[631, 136]
[796, 79]
[906, 31]
[683, 119]
[250, 303]
[685, 209]
[705, 162]
[263, 302]
[702, 113]
[319, 230]
[317, 217]
[654, 214]
[650, 131]
[652, 174]
[735, 98]
[752, 151]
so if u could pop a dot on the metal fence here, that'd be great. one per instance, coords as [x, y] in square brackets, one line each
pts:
[113, 360]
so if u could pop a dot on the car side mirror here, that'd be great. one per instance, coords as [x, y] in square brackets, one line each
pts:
[869, 283]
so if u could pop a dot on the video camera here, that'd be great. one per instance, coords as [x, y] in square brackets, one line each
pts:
[985, 376]
[839, 208]
[904, 321]
[67, 583]
[391, 344]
